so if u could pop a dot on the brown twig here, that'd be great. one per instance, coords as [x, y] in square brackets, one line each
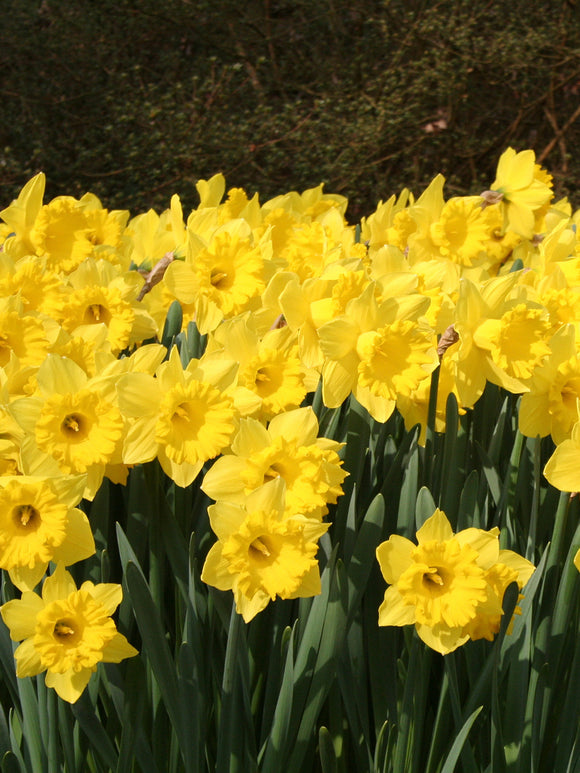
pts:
[560, 133]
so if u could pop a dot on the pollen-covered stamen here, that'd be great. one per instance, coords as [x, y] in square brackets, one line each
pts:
[432, 577]
[95, 313]
[73, 425]
[186, 417]
[273, 471]
[259, 549]
[64, 631]
[93, 237]
[217, 277]
[26, 516]
[181, 413]
[570, 394]
[262, 375]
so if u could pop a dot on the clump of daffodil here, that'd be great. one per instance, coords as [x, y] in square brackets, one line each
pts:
[521, 188]
[39, 522]
[66, 632]
[289, 449]
[449, 586]
[262, 552]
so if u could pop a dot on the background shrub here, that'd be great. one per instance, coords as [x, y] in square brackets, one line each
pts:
[135, 99]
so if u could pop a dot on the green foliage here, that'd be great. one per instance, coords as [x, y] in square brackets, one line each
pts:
[314, 684]
[136, 100]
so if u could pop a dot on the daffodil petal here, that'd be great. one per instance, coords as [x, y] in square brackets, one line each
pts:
[20, 615]
[394, 611]
[70, 685]
[28, 661]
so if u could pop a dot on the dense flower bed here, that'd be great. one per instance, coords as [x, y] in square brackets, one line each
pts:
[229, 348]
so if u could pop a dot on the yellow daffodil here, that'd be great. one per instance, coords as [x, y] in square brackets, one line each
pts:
[21, 215]
[66, 231]
[224, 277]
[562, 469]
[39, 522]
[443, 584]
[475, 364]
[517, 339]
[182, 417]
[510, 568]
[37, 288]
[102, 295]
[60, 234]
[262, 553]
[414, 223]
[21, 333]
[520, 189]
[72, 424]
[66, 632]
[312, 247]
[551, 405]
[269, 365]
[378, 228]
[289, 449]
[377, 351]
[151, 236]
[414, 407]
[462, 231]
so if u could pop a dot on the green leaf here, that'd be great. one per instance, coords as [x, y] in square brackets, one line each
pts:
[31, 723]
[101, 745]
[409, 490]
[425, 507]
[8, 665]
[4, 733]
[491, 474]
[468, 513]
[277, 741]
[235, 752]
[172, 325]
[156, 648]
[455, 751]
[452, 473]
[65, 729]
[16, 738]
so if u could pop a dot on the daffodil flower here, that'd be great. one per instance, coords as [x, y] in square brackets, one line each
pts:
[66, 632]
[261, 553]
[450, 586]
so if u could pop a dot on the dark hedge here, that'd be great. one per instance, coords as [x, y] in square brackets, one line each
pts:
[135, 100]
